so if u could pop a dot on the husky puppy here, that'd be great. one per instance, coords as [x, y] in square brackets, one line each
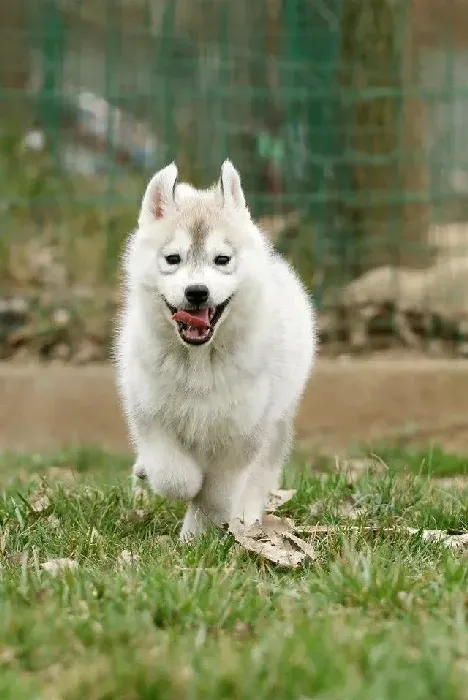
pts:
[214, 347]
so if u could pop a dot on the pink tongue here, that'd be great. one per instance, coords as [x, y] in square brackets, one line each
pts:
[199, 319]
[199, 330]
[202, 314]
[200, 325]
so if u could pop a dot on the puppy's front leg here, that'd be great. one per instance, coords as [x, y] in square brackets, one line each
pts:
[170, 470]
[195, 523]
[251, 497]
[212, 504]
[262, 476]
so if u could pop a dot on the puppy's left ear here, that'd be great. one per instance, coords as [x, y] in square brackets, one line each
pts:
[230, 186]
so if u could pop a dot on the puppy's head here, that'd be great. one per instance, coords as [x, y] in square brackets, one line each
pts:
[193, 251]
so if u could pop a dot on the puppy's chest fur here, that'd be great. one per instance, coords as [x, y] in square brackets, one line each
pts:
[213, 406]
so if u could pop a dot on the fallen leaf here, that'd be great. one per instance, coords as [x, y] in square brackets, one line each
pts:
[306, 547]
[314, 530]
[55, 566]
[274, 539]
[7, 655]
[453, 539]
[127, 557]
[136, 515]
[274, 523]
[53, 521]
[458, 540]
[279, 498]
[349, 510]
[40, 501]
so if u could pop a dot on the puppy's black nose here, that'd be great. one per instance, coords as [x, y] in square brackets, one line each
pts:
[197, 294]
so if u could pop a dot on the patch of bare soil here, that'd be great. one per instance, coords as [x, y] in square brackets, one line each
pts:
[348, 402]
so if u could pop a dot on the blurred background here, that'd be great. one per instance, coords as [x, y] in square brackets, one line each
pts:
[347, 120]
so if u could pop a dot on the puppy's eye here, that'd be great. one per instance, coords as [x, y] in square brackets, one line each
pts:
[173, 259]
[222, 260]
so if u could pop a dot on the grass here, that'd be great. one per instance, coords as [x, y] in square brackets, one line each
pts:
[376, 617]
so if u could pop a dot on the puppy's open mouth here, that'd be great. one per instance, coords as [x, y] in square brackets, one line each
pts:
[196, 326]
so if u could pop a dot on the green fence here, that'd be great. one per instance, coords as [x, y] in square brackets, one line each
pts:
[346, 119]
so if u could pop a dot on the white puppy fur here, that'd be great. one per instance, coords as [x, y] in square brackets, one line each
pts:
[211, 423]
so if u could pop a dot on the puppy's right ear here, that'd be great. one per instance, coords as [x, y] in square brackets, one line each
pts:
[159, 198]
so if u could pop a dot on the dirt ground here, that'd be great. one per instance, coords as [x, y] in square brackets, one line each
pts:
[348, 402]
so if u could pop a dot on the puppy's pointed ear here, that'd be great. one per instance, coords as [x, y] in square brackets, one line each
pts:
[159, 198]
[230, 186]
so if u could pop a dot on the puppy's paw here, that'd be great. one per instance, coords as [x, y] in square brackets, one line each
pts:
[248, 512]
[178, 482]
